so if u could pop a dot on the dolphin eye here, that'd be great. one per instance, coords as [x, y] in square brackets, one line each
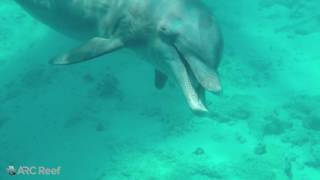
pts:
[163, 29]
[167, 31]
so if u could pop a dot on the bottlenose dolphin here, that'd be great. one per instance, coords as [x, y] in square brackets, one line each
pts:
[180, 38]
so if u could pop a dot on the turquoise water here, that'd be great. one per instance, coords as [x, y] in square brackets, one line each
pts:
[105, 120]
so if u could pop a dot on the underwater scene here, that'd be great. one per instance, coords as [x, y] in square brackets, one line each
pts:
[105, 119]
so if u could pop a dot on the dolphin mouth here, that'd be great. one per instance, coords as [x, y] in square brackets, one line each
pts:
[184, 60]
[199, 69]
[195, 84]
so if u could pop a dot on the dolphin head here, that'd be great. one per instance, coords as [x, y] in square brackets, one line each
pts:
[191, 30]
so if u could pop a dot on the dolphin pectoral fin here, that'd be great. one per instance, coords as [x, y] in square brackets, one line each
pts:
[93, 48]
[181, 75]
[160, 79]
[208, 78]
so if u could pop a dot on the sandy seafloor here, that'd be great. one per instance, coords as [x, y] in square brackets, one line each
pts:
[105, 120]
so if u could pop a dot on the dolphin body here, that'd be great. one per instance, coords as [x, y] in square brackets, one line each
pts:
[178, 37]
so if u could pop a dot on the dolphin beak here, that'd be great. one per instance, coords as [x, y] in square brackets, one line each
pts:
[204, 73]
[197, 102]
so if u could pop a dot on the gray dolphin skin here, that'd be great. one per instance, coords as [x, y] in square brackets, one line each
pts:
[178, 37]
